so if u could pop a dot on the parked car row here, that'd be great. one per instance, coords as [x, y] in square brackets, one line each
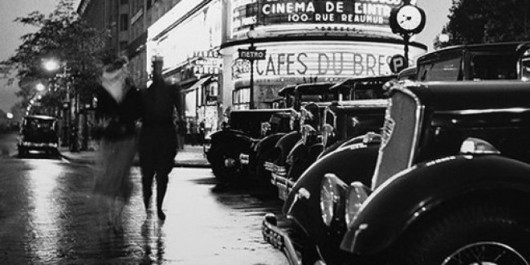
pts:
[283, 152]
[443, 180]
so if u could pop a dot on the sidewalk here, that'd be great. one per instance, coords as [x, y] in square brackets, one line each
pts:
[191, 156]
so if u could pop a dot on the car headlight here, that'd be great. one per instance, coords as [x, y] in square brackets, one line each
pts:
[356, 196]
[292, 122]
[327, 133]
[308, 133]
[332, 197]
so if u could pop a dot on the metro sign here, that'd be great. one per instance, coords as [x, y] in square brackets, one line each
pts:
[252, 54]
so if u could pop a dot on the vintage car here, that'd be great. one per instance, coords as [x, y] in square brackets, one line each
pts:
[507, 60]
[38, 133]
[227, 149]
[346, 120]
[310, 146]
[311, 234]
[314, 95]
[450, 180]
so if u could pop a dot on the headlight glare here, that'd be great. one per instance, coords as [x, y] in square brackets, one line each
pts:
[327, 133]
[308, 133]
[357, 194]
[332, 191]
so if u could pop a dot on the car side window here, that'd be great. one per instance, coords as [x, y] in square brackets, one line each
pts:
[487, 66]
[443, 70]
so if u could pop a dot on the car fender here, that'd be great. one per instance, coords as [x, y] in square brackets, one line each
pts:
[285, 144]
[264, 145]
[268, 142]
[410, 195]
[302, 157]
[303, 202]
[232, 138]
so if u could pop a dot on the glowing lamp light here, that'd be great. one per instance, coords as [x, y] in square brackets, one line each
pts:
[9, 115]
[40, 87]
[51, 65]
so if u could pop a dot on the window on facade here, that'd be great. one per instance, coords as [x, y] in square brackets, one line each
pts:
[124, 2]
[124, 22]
[241, 96]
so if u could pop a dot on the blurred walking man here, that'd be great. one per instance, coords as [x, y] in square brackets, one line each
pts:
[158, 137]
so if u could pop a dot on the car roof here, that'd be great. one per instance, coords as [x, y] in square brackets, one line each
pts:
[499, 46]
[287, 90]
[471, 95]
[314, 88]
[40, 117]
[306, 88]
[368, 81]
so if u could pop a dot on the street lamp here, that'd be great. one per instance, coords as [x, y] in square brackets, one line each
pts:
[252, 54]
[40, 87]
[53, 65]
[251, 34]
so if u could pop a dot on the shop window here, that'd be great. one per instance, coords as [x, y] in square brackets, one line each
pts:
[241, 96]
[211, 93]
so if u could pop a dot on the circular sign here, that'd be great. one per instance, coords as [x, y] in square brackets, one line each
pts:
[407, 19]
[398, 63]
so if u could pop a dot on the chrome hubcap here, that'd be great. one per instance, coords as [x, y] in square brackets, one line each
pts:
[485, 253]
[230, 162]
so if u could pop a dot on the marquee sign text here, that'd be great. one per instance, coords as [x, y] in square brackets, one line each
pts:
[357, 12]
[339, 64]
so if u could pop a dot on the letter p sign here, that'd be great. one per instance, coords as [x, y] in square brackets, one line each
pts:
[398, 63]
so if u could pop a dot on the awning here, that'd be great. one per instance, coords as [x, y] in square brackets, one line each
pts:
[197, 84]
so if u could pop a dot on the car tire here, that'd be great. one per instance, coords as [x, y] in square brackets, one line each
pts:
[470, 234]
[219, 155]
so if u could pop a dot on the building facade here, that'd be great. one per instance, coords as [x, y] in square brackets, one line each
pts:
[298, 41]
[189, 37]
[203, 44]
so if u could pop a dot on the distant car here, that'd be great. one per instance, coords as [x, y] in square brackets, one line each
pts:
[38, 132]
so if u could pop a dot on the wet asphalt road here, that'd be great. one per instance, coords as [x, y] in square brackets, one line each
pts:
[49, 216]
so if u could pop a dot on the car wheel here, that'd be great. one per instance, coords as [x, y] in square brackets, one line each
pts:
[225, 163]
[473, 234]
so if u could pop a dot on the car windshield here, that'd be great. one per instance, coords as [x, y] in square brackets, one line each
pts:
[447, 69]
[35, 124]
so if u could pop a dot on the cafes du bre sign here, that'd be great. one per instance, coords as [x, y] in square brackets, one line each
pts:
[279, 63]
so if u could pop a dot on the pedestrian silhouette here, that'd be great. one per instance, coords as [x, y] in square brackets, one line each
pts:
[118, 108]
[158, 137]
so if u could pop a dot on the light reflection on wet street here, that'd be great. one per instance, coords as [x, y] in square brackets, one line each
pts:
[49, 216]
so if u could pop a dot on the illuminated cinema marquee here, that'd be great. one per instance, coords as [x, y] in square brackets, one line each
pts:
[370, 12]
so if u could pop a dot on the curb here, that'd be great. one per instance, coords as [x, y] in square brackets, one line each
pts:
[184, 164]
